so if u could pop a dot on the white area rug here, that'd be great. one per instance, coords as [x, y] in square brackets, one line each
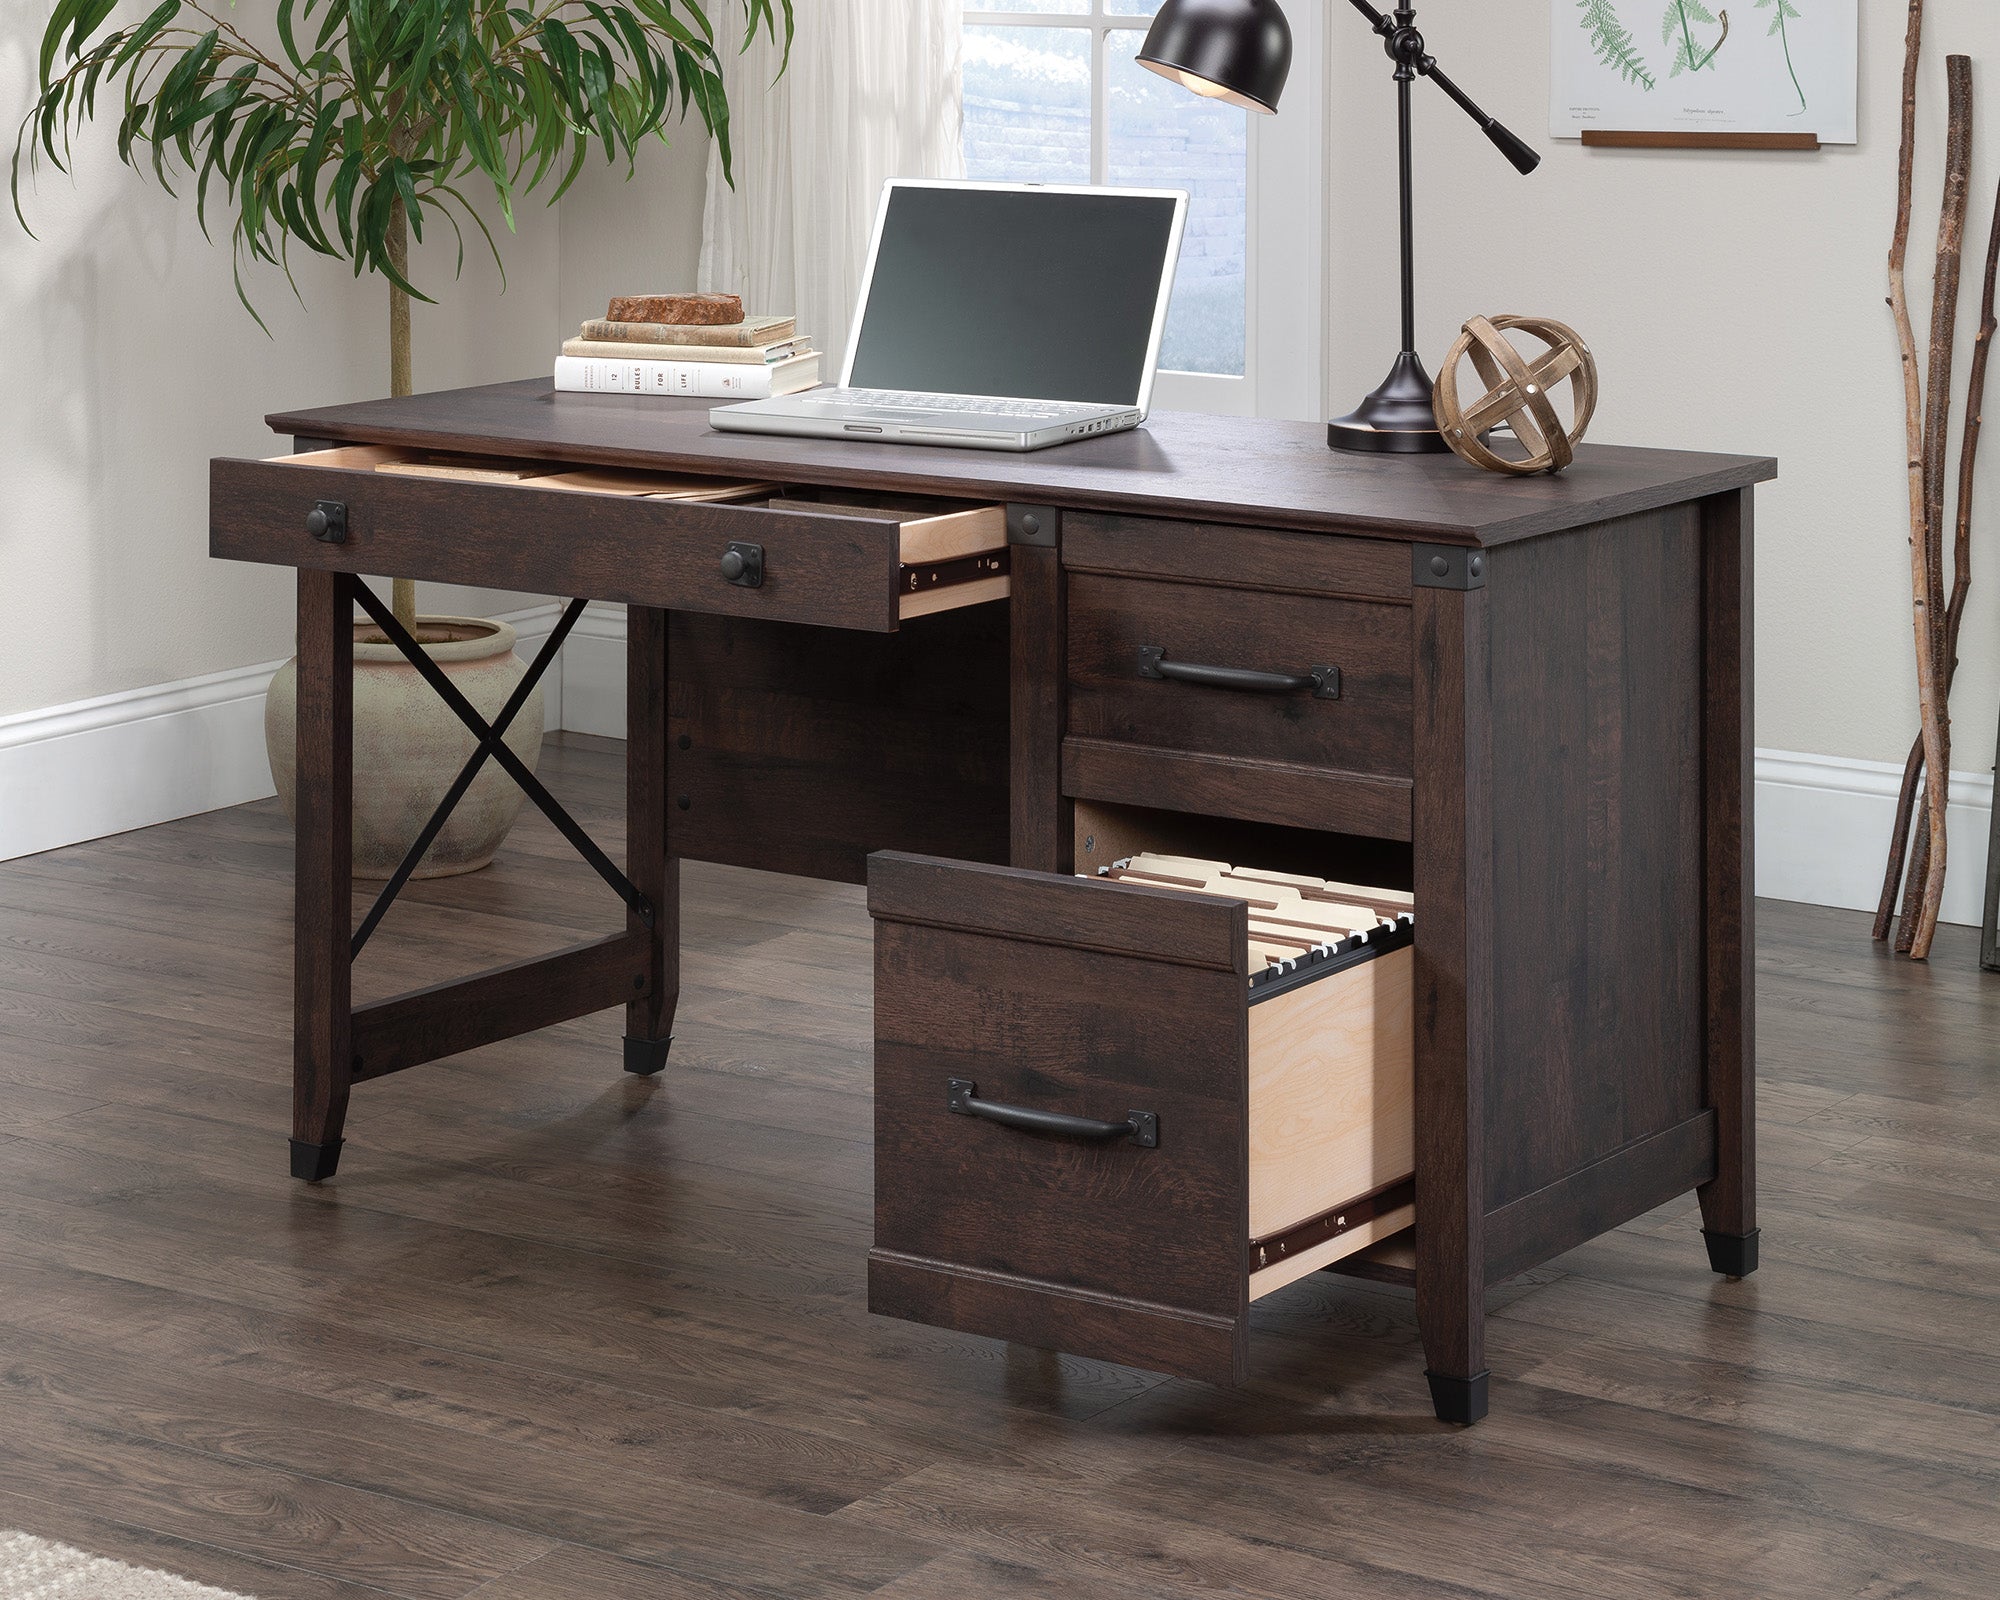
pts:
[37, 1569]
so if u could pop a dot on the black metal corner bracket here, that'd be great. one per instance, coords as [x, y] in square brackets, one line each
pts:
[1034, 525]
[492, 744]
[1447, 566]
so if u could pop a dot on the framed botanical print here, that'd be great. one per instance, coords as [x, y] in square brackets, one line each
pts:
[1782, 67]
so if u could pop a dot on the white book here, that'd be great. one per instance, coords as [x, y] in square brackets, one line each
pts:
[708, 380]
[749, 355]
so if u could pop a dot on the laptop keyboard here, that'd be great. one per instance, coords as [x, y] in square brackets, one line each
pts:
[906, 400]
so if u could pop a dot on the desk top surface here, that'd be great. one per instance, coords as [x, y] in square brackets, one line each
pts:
[1222, 469]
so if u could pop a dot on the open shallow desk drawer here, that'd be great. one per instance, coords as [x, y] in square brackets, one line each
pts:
[1095, 1133]
[677, 543]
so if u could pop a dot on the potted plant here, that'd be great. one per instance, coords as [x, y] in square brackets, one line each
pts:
[342, 127]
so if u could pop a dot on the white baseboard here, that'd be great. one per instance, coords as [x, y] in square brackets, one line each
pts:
[129, 760]
[1823, 831]
[594, 681]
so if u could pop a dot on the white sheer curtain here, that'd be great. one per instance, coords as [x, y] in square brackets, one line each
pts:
[872, 92]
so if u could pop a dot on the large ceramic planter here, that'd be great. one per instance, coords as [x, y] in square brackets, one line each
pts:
[408, 747]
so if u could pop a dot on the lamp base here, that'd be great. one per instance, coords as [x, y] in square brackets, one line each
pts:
[1397, 419]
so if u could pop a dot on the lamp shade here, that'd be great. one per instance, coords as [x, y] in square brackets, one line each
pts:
[1239, 51]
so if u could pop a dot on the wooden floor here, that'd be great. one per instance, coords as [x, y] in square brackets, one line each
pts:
[560, 1334]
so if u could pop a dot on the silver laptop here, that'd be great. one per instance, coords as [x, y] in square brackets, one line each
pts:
[999, 316]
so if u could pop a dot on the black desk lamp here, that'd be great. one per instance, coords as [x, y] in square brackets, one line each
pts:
[1240, 51]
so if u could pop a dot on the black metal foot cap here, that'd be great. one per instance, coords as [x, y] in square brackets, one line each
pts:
[646, 1056]
[1734, 1255]
[1460, 1400]
[315, 1163]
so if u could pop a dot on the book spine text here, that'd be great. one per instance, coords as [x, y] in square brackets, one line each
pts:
[712, 380]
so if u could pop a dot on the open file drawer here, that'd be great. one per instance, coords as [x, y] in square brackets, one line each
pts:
[730, 549]
[1094, 1133]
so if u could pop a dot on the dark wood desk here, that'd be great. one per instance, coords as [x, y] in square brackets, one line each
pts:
[1545, 732]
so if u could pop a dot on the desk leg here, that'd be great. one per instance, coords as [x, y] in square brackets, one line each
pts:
[1043, 822]
[1729, 1202]
[322, 1017]
[1452, 840]
[649, 1021]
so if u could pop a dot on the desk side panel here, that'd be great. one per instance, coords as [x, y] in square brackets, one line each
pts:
[1596, 685]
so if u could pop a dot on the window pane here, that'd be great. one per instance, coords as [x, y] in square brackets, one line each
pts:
[1071, 8]
[1132, 8]
[1027, 104]
[1161, 136]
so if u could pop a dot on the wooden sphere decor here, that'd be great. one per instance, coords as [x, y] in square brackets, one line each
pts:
[1517, 392]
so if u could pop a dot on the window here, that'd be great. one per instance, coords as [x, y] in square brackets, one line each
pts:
[1054, 93]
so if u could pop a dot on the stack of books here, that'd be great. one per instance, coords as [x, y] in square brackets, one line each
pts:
[687, 344]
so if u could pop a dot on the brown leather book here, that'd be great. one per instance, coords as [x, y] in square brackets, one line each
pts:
[706, 310]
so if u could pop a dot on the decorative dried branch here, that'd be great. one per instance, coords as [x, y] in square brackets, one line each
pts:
[1899, 840]
[1913, 400]
[1961, 583]
[1968, 450]
[1906, 338]
[1944, 324]
[1923, 894]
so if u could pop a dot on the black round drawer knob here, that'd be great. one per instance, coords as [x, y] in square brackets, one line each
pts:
[327, 522]
[743, 564]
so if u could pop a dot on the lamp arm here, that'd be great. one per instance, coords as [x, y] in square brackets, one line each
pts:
[1406, 49]
[1504, 140]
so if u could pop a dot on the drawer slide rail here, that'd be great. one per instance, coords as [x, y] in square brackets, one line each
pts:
[492, 744]
[1277, 1247]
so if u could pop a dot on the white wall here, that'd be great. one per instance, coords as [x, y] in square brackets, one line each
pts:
[132, 667]
[128, 363]
[636, 236]
[1735, 302]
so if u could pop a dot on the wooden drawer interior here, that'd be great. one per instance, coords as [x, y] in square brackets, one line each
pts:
[1262, 1022]
[1331, 1064]
[952, 554]
[1107, 833]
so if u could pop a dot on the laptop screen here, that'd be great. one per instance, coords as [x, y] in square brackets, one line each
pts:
[1024, 293]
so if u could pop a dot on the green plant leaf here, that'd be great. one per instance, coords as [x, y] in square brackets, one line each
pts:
[391, 102]
[1612, 42]
[1677, 29]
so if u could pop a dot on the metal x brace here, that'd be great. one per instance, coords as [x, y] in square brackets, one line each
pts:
[492, 743]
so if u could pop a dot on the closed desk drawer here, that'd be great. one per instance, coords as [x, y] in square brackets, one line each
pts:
[1095, 1133]
[748, 550]
[1278, 707]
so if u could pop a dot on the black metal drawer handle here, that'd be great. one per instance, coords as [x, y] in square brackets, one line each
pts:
[1323, 681]
[1141, 1127]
